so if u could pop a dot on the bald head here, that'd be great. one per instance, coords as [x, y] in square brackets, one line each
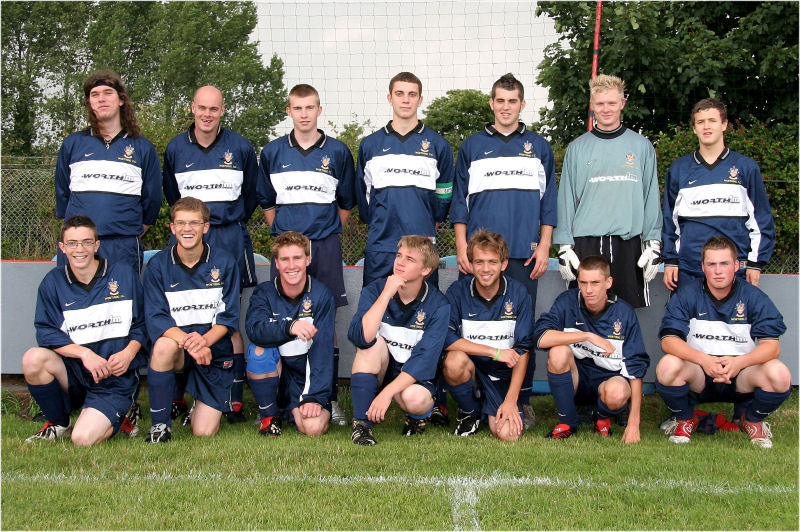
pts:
[207, 108]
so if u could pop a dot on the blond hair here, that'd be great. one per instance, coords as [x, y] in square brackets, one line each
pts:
[291, 238]
[605, 83]
[423, 244]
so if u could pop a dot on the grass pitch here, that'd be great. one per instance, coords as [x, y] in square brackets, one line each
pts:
[239, 480]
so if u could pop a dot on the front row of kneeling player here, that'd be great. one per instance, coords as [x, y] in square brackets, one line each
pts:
[720, 335]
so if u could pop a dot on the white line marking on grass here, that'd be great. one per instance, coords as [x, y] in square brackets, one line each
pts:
[463, 504]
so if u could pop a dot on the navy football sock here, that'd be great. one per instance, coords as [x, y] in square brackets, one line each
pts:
[265, 392]
[237, 390]
[563, 391]
[364, 388]
[52, 400]
[765, 403]
[179, 386]
[335, 384]
[466, 401]
[742, 402]
[526, 390]
[677, 400]
[160, 386]
[440, 399]
[604, 412]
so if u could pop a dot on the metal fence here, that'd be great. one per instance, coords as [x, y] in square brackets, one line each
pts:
[30, 229]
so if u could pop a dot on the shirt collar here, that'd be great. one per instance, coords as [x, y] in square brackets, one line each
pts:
[279, 288]
[491, 131]
[419, 128]
[318, 144]
[102, 268]
[203, 256]
[501, 291]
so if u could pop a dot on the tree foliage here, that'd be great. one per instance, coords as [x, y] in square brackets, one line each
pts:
[672, 54]
[459, 114]
[163, 50]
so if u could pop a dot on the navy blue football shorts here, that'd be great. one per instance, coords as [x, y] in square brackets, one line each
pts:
[494, 387]
[590, 377]
[326, 267]
[117, 249]
[266, 362]
[210, 384]
[395, 368]
[295, 375]
[718, 392]
[112, 396]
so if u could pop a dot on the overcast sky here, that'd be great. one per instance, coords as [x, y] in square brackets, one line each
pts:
[349, 50]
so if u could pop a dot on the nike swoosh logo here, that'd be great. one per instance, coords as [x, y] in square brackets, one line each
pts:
[286, 165]
[68, 304]
[190, 164]
[276, 313]
[386, 149]
[692, 181]
[590, 162]
[578, 323]
[471, 314]
[88, 154]
[702, 314]
[488, 152]
[159, 410]
[174, 285]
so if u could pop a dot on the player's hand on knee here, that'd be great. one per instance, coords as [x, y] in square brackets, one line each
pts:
[602, 343]
[202, 356]
[509, 356]
[118, 363]
[508, 413]
[194, 341]
[309, 410]
[303, 329]
[96, 365]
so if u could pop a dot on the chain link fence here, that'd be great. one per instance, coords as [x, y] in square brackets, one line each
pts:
[30, 229]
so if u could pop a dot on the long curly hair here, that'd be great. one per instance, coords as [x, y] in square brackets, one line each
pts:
[127, 114]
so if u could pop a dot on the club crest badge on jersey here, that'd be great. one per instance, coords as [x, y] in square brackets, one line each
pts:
[617, 327]
[630, 158]
[215, 275]
[508, 308]
[527, 147]
[425, 146]
[228, 157]
[734, 173]
[740, 310]
[326, 162]
[307, 304]
[420, 322]
[113, 288]
[128, 154]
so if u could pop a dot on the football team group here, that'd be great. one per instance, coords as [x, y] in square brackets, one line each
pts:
[100, 320]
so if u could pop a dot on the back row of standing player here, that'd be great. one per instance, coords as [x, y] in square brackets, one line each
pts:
[405, 183]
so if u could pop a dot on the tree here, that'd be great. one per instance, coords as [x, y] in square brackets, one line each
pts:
[163, 50]
[458, 115]
[38, 53]
[672, 54]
